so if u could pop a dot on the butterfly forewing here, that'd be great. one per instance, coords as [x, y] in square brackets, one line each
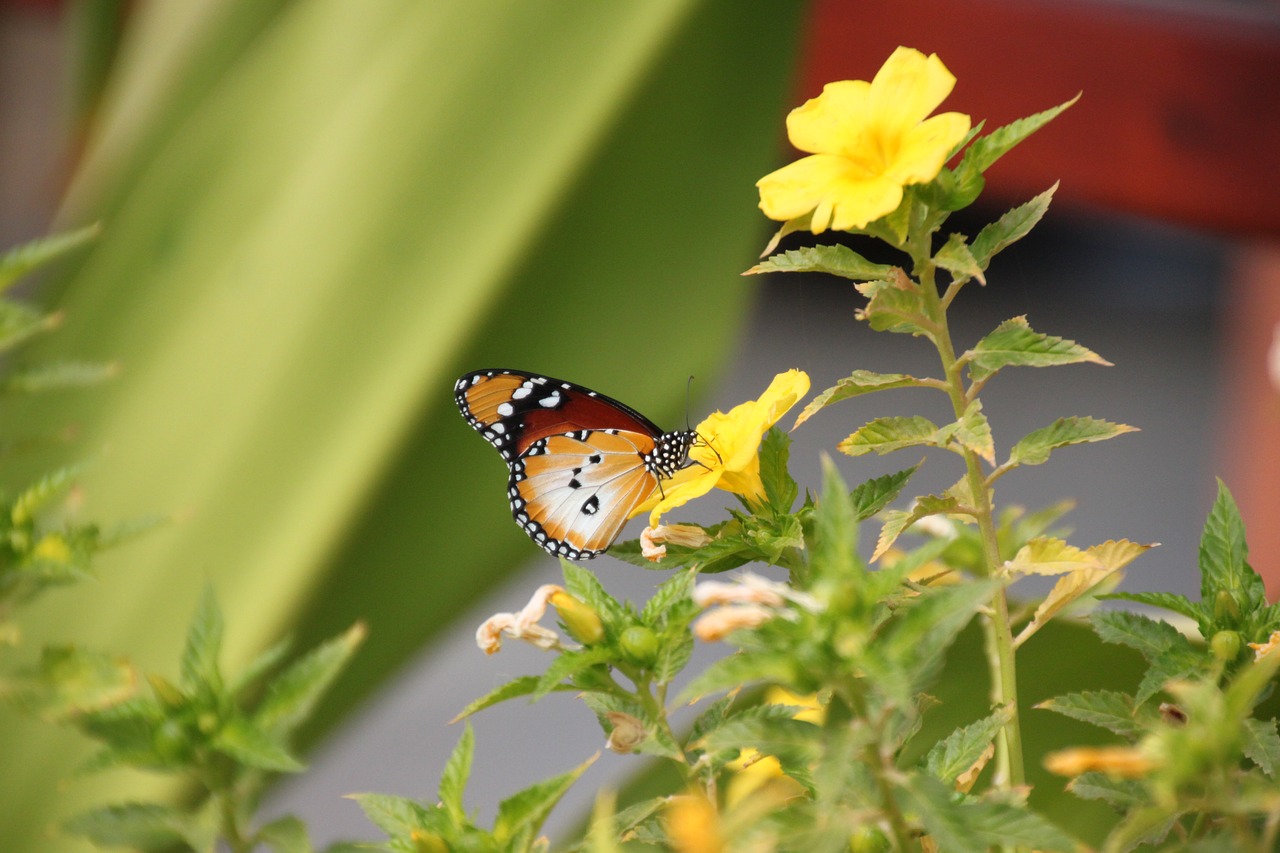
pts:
[580, 462]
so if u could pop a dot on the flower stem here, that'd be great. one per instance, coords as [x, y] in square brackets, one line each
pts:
[1010, 766]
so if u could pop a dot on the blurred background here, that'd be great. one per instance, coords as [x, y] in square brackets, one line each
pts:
[318, 213]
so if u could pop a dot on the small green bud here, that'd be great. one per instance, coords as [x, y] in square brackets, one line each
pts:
[170, 741]
[1226, 645]
[207, 722]
[580, 619]
[1225, 606]
[166, 691]
[868, 839]
[639, 645]
[428, 842]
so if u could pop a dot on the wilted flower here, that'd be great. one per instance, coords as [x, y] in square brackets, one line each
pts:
[1260, 650]
[1121, 762]
[520, 626]
[653, 539]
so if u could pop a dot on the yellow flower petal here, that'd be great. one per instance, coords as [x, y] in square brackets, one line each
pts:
[866, 141]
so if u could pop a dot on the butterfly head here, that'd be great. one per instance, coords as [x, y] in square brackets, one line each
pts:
[670, 453]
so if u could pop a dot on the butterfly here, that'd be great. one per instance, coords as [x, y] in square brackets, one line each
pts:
[579, 461]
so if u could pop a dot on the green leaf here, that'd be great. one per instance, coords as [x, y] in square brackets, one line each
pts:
[1164, 600]
[1121, 794]
[525, 685]
[875, 494]
[457, 770]
[39, 496]
[1262, 745]
[396, 816]
[897, 521]
[986, 150]
[671, 598]
[1109, 709]
[858, 383]
[293, 694]
[1176, 664]
[1224, 556]
[525, 812]
[771, 730]
[199, 664]
[957, 258]
[913, 642]
[944, 816]
[58, 375]
[779, 488]
[1015, 344]
[20, 260]
[836, 260]
[885, 435]
[569, 664]
[835, 528]
[143, 826]
[18, 323]
[1046, 555]
[974, 826]
[738, 670]
[286, 835]
[895, 305]
[1149, 636]
[585, 586]
[69, 682]
[961, 749]
[1010, 228]
[972, 432]
[1034, 448]
[255, 747]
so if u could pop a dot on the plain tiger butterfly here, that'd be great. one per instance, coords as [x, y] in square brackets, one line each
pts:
[579, 461]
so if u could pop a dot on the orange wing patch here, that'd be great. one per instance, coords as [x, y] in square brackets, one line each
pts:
[573, 493]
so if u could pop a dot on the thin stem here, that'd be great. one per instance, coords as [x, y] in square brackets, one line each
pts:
[849, 703]
[1011, 771]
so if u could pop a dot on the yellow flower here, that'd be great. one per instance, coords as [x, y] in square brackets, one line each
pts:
[727, 456]
[1118, 762]
[867, 141]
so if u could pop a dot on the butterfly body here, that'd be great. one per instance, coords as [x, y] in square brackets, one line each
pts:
[579, 462]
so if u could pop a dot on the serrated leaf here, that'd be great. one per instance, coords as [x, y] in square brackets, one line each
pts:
[875, 494]
[584, 585]
[1148, 636]
[19, 322]
[1015, 344]
[779, 488]
[1164, 600]
[672, 596]
[986, 150]
[254, 747]
[40, 494]
[21, 260]
[525, 685]
[293, 694]
[895, 305]
[1034, 448]
[958, 751]
[801, 223]
[1010, 228]
[1121, 794]
[957, 258]
[143, 826]
[1262, 745]
[56, 376]
[858, 383]
[972, 432]
[1046, 555]
[738, 670]
[1108, 709]
[914, 642]
[835, 528]
[1176, 664]
[972, 826]
[394, 815]
[772, 731]
[1068, 589]
[1224, 556]
[836, 260]
[885, 435]
[1118, 553]
[69, 682]
[525, 812]
[674, 654]
[457, 770]
[199, 663]
[897, 521]
[567, 665]
[286, 835]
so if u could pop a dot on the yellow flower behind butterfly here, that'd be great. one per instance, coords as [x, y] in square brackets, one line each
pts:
[866, 142]
[727, 453]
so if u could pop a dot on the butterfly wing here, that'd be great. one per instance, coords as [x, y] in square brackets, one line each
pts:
[513, 409]
[572, 493]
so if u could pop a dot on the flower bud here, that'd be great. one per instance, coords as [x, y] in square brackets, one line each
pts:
[639, 645]
[868, 839]
[428, 842]
[166, 691]
[580, 619]
[53, 548]
[1225, 606]
[1226, 645]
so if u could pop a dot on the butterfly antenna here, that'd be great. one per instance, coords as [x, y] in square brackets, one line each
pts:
[688, 395]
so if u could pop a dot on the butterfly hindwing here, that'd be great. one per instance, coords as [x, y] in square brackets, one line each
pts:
[579, 462]
[573, 493]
